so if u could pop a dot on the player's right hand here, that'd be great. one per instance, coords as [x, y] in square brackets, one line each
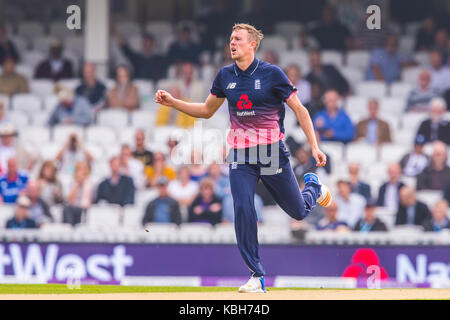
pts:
[164, 98]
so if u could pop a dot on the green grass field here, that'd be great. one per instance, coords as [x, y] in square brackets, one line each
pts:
[63, 289]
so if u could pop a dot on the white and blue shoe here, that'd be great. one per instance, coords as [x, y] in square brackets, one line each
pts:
[325, 197]
[254, 285]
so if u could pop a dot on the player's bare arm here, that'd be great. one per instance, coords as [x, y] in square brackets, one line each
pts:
[198, 110]
[305, 121]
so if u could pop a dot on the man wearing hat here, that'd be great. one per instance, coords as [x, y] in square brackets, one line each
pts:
[21, 219]
[370, 221]
[55, 67]
[11, 147]
[163, 208]
[413, 163]
[71, 110]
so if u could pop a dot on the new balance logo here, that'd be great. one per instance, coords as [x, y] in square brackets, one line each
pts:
[279, 170]
[231, 85]
[234, 165]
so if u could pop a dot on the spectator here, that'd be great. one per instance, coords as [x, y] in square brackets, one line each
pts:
[439, 219]
[3, 117]
[419, 98]
[7, 47]
[302, 163]
[333, 124]
[441, 43]
[304, 41]
[50, 186]
[141, 152]
[91, 88]
[388, 192]
[358, 186]
[373, 130]
[447, 191]
[79, 198]
[330, 33]
[124, 94]
[425, 35]
[327, 75]
[71, 153]
[304, 88]
[116, 189]
[222, 190]
[183, 190]
[21, 219]
[440, 73]
[146, 63]
[12, 82]
[10, 146]
[12, 183]
[271, 57]
[71, 110]
[188, 88]
[386, 63]
[436, 127]
[206, 207]
[55, 67]
[351, 205]
[316, 104]
[159, 169]
[411, 211]
[330, 221]
[437, 173]
[184, 49]
[370, 222]
[39, 210]
[414, 162]
[198, 169]
[192, 89]
[131, 167]
[163, 209]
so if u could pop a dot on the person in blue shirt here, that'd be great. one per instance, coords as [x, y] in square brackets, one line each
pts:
[256, 92]
[333, 123]
[12, 183]
[163, 209]
[21, 219]
[330, 221]
[386, 63]
[439, 218]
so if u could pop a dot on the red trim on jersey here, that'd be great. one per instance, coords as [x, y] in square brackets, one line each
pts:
[213, 95]
[291, 95]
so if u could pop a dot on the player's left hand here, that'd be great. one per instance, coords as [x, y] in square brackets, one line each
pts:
[320, 157]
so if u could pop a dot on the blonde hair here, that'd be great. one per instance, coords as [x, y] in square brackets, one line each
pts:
[253, 33]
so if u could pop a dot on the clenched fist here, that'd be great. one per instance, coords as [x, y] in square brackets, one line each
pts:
[164, 98]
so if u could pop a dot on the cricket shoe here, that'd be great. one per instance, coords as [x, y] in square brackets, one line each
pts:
[255, 284]
[325, 194]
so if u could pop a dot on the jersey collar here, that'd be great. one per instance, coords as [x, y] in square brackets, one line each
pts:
[250, 70]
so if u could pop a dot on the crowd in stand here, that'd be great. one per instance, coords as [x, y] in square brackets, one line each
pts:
[201, 193]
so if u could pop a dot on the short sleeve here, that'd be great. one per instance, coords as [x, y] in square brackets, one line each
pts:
[282, 85]
[217, 89]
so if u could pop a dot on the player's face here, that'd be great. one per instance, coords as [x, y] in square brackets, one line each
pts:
[240, 44]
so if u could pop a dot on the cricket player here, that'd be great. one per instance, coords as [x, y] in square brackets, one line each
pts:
[256, 93]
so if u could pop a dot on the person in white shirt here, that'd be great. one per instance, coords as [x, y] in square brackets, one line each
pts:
[351, 205]
[183, 190]
[414, 162]
[131, 167]
[294, 74]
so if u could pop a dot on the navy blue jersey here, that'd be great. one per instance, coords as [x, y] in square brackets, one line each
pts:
[256, 99]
